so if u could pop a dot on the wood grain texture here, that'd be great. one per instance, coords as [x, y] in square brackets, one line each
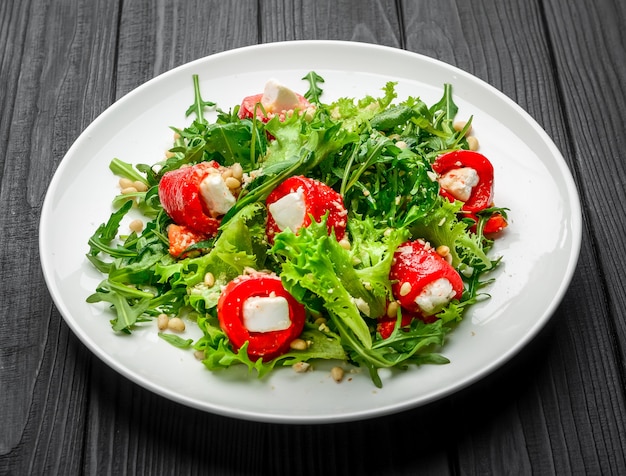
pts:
[368, 21]
[556, 408]
[589, 53]
[46, 51]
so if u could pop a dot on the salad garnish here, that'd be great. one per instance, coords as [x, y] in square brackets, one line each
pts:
[290, 230]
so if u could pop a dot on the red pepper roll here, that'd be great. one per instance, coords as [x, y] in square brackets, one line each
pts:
[276, 99]
[181, 196]
[181, 238]
[422, 280]
[257, 309]
[467, 176]
[299, 199]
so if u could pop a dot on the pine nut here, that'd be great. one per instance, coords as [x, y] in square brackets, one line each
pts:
[405, 288]
[401, 144]
[237, 171]
[199, 354]
[392, 309]
[232, 183]
[459, 125]
[125, 183]
[301, 367]
[227, 173]
[337, 374]
[176, 324]
[320, 321]
[140, 186]
[472, 142]
[298, 344]
[442, 250]
[128, 190]
[345, 243]
[162, 321]
[136, 225]
[209, 279]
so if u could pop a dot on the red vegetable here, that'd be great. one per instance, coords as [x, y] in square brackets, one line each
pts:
[251, 103]
[386, 324]
[414, 268]
[181, 238]
[316, 200]
[179, 192]
[231, 313]
[481, 196]
[495, 224]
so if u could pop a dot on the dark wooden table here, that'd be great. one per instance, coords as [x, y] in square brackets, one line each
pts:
[558, 407]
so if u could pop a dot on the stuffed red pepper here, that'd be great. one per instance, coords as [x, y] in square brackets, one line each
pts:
[196, 196]
[299, 199]
[422, 280]
[256, 309]
[276, 99]
[468, 176]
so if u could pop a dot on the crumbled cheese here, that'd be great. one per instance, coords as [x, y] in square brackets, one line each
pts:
[216, 194]
[266, 314]
[277, 98]
[362, 305]
[460, 182]
[435, 295]
[289, 211]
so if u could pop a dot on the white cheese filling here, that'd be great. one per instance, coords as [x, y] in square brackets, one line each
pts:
[289, 211]
[277, 98]
[460, 182]
[266, 314]
[435, 296]
[216, 194]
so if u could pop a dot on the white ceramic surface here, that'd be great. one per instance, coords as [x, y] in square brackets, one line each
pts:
[540, 246]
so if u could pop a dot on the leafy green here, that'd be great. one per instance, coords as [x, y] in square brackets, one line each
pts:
[176, 341]
[377, 153]
[314, 92]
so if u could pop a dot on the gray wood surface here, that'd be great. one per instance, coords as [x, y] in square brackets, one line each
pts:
[557, 408]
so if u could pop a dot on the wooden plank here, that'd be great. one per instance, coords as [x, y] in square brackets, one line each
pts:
[129, 427]
[158, 36]
[370, 21]
[51, 60]
[558, 407]
[534, 428]
[587, 44]
[140, 423]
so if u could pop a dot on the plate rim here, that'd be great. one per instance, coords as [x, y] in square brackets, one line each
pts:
[575, 224]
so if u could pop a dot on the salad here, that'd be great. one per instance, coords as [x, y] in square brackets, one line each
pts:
[290, 231]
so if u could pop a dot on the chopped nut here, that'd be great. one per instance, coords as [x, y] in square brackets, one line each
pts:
[405, 288]
[337, 374]
[301, 367]
[176, 324]
[472, 142]
[162, 321]
[209, 279]
[298, 344]
[136, 225]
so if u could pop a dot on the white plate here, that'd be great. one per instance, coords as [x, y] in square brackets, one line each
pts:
[540, 246]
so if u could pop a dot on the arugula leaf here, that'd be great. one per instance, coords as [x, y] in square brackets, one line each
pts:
[314, 92]
[176, 341]
[199, 104]
[105, 234]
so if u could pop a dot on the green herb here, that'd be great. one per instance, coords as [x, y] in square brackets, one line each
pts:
[377, 152]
